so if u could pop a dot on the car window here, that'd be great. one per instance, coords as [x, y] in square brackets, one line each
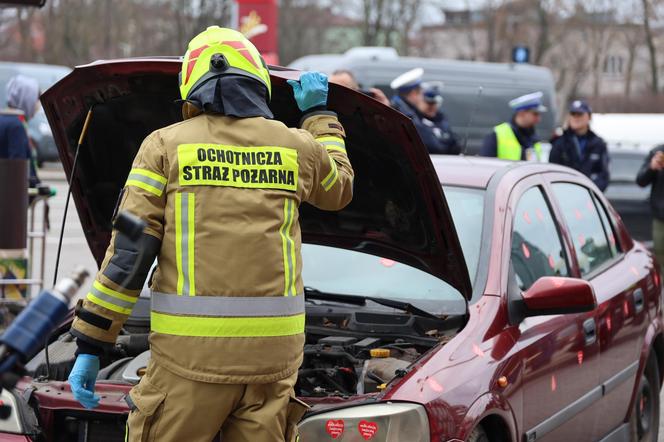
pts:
[536, 244]
[467, 209]
[585, 226]
[608, 226]
[342, 271]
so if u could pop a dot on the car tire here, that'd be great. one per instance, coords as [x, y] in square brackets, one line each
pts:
[478, 435]
[644, 424]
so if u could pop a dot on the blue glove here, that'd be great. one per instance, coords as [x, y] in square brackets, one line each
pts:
[82, 380]
[310, 91]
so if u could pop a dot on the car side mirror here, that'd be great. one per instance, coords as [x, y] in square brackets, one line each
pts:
[555, 295]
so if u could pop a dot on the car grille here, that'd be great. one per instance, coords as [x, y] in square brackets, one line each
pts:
[86, 427]
[105, 431]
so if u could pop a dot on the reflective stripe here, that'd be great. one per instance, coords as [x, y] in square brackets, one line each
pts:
[333, 143]
[227, 327]
[227, 306]
[331, 177]
[184, 242]
[147, 180]
[118, 302]
[288, 247]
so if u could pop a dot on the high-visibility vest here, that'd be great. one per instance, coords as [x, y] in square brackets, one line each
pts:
[508, 146]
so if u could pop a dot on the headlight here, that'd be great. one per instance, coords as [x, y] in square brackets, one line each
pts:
[384, 422]
[12, 424]
[44, 129]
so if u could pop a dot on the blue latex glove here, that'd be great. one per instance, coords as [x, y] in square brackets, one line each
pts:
[82, 380]
[310, 91]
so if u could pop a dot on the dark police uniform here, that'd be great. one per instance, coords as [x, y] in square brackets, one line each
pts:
[586, 153]
[435, 133]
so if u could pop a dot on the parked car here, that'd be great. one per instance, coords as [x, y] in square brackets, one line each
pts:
[483, 309]
[38, 128]
[476, 94]
[630, 200]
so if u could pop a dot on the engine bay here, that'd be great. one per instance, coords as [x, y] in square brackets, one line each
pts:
[348, 351]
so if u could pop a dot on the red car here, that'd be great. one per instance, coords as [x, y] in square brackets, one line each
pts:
[513, 306]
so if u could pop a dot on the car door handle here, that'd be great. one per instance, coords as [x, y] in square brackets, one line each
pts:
[589, 331]
[638, 300]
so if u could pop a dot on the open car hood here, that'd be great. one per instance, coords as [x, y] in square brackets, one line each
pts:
[398, 209]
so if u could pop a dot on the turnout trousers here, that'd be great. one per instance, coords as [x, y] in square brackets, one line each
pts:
[169, 408]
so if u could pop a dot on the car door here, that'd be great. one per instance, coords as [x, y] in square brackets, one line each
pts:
[619, 280]
[560, 353]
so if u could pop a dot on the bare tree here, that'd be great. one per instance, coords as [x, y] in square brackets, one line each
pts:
[543, 36]
[650, 42]
[631, 38]
[389, 22]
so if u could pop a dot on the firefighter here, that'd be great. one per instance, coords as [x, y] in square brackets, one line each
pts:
[220, 193]
[517, 140]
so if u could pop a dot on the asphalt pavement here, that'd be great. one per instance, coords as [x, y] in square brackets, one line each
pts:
[75, 250]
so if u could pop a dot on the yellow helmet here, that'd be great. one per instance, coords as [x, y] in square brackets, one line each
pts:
[220, 51]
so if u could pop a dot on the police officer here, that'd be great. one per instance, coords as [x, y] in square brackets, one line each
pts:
[433, 116]
[219, 193]
[409, 100]
[517, 140]
[580, 148]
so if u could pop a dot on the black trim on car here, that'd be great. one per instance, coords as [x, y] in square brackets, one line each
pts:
[580, 404]
[487, 231]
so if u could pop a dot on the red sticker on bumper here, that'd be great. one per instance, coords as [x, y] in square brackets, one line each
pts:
[367, 429]
[335, 428]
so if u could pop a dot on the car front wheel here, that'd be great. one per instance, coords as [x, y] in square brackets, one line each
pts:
[478, 435]
[645, 415]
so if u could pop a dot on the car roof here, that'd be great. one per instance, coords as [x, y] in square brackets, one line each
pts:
[475, 171]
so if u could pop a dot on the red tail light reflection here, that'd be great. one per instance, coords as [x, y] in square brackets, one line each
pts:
[387, 262]
[526, 250]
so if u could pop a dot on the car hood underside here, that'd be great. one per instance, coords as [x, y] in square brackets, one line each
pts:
[398, 209]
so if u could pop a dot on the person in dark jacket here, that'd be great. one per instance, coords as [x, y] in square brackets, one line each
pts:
[652, 173]
[580, 148]
[516, 139]
[22, 99]
[408, 101]
[433, 117]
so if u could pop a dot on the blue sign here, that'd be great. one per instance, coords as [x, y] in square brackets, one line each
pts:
[520, 54]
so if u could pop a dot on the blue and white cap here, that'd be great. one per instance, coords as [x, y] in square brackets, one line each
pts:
[432, 94]
[408, 81]
[580, 107]
[531, 101]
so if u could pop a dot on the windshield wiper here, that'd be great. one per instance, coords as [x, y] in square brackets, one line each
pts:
[312, 293]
